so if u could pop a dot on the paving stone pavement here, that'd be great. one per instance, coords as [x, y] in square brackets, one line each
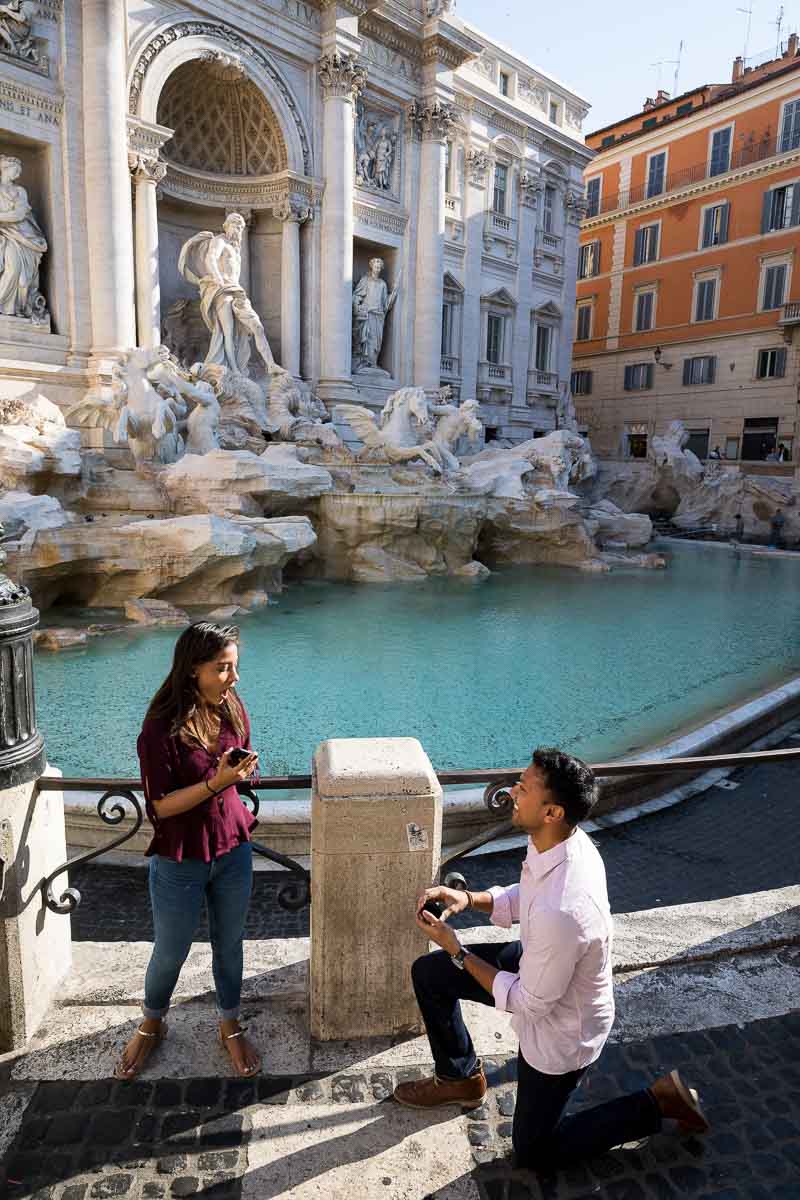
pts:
[721, 843]
[177, 1138]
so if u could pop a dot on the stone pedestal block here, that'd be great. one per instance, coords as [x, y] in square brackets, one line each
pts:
[376, 833]
[35, 948]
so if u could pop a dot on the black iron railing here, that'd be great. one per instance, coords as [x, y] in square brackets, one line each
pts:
[296, 892]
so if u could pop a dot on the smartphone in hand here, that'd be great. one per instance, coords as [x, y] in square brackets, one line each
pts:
[238, 755]
[434, 907]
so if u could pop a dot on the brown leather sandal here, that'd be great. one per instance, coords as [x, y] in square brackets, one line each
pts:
[224, 1038]
[153, 1040]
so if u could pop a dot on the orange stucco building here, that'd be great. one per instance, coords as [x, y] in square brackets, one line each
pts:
[687, 297]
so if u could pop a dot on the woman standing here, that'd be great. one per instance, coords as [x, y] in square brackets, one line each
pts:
[201, 848]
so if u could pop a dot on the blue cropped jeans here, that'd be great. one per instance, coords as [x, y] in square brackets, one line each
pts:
[177, 893]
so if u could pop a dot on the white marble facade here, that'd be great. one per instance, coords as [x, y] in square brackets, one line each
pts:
[342, 131]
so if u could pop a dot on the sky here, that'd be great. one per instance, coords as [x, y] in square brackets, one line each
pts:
[606, 53]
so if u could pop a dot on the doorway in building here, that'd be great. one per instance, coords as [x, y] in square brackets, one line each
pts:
[759, 438]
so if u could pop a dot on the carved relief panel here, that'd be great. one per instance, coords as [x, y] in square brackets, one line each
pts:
[376, 151]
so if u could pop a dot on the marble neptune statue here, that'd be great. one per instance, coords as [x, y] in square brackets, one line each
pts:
[213, 263]
[22, 245]
[372, 303]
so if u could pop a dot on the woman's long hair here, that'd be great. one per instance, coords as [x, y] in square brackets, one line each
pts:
[178, 700]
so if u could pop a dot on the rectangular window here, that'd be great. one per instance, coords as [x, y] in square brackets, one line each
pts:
[759, 438]
[683, 110]
[448, 311]
[593, 197]
[500, 188]
[698, 442]
[781, 208]
[645, 246]
[772, 363]
[774, 286]
[656, 172]
[705, 300]
[589, 260]
[650, 123]
[716, 221]
[584, 328]
[543, 341]
[699, 370]
[505, 82]
[494, 339]
[790, 131]
[554, 112]
[607, 141]
[731, 448]
[581, 383]
[644, 311]
[548, 216]
[448, 166]
[639, 377]
[720, 151]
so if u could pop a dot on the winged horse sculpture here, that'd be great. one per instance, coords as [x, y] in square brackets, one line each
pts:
[397, 435]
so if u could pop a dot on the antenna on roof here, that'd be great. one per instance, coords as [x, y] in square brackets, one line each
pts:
[778, 26]
[681, 49]
[670, 62]
[748, 12]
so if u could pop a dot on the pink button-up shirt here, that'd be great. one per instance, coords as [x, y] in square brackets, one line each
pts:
[562, 1000]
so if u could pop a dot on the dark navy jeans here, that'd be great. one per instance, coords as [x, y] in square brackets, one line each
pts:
[542, 1136]
[178, 891]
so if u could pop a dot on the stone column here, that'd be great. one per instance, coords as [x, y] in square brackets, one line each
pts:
[433, 121]
[291, 217]
[109, 217]
[341, 78]
[147, 174]
[376, 832]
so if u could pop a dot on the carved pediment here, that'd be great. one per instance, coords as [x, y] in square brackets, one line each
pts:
[501, 297]
[548, 310]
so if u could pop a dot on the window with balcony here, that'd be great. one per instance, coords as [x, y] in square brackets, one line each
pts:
[593, 196]
[790, 127]
[500, 195]
[583, 328]
[774, 278]
[716, 221]
[645, 245]
[656, 173]
[448, 167]
[781, 208]
[589, 260]
[705, 299]
[581, 383]
[639, 377]
[702, 369]
[644, 312]
[494, 339]
[548, 209]
[720, 160]
[544, 343]
[771, 363]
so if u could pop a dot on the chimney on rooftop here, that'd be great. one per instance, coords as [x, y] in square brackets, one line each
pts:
[738, 69]
[648, 104]
[662, 96]
[794, 43]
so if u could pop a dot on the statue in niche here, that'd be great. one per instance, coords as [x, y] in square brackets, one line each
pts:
[16, 20]
[22, 245]
[375, 150]
[212, 262]
[372, 303]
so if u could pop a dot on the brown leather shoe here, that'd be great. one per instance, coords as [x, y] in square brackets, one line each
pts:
[679, 1103]
[434, 1092]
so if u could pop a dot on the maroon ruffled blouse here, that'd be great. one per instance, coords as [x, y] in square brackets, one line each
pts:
[212, 828]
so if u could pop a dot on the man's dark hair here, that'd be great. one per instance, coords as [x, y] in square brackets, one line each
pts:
[571, 782]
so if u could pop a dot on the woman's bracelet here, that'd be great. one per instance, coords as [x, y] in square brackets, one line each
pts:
[470, 903]
[211, 791]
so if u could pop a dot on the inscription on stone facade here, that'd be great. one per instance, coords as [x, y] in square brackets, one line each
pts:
[21, 102]
[390, 60]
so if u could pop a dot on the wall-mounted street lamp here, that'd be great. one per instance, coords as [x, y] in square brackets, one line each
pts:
[657, 354]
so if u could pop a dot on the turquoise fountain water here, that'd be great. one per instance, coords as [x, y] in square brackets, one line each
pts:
[480, 674]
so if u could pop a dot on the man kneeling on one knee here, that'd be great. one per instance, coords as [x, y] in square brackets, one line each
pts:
[556, 981]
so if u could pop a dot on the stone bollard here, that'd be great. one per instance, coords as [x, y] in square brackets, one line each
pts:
[35, 946]
[376, 835]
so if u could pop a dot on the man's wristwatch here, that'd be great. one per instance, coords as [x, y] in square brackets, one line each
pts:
[458, 958]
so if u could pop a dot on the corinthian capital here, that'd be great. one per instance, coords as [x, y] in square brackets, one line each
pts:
[431, 119]
[142, 168]
[341, 75]
[292, 210]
